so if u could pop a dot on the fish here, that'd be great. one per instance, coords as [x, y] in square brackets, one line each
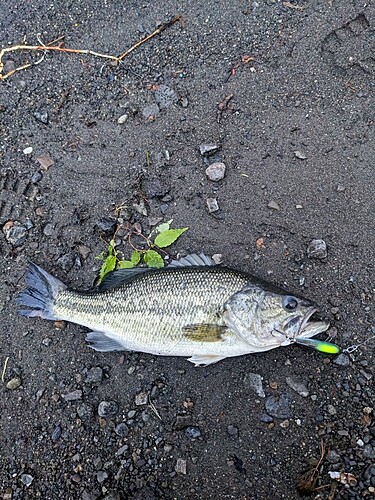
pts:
[192, 308]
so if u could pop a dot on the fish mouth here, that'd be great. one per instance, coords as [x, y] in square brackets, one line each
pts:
[296, 328]
[309, 328]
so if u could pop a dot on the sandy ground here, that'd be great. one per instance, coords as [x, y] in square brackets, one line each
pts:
[285, 92]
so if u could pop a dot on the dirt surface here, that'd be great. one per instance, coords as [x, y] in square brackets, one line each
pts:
[296, 135]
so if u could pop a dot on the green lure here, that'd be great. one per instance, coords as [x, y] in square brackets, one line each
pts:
[319, 345]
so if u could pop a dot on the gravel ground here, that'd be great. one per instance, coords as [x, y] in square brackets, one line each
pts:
[252, 123]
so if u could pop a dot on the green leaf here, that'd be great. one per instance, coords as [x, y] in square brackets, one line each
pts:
[124, 264]
[168, 237]
[164, 226]
[153, 259]
[135, 258]
[108, 265]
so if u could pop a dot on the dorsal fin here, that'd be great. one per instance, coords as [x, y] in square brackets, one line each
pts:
[193, 260]
[119, 277]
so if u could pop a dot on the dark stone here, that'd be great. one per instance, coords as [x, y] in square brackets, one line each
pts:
[95, 374]
[16, 235]
[108, 409]
[342, 360]
[56, 434]
[66, 262]
[41, 116]
[121, 429]
[38, 176]
[193, 432]
[106, 225]
[182, 421]
[278, 407]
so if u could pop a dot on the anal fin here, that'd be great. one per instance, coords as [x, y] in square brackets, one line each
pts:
[99, 341]
[205, 359]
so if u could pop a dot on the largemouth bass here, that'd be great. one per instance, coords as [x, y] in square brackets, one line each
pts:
[190, 308]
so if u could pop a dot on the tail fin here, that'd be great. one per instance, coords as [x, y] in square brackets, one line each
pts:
[40, 294]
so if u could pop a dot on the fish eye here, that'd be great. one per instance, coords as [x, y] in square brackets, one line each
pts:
[290, 303]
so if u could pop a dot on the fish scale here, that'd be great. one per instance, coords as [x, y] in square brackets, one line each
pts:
[151, 310]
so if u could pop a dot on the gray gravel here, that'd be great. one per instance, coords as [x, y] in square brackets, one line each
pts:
[247, 84]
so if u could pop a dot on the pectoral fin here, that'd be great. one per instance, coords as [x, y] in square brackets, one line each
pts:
[205, 359]
[205, 332]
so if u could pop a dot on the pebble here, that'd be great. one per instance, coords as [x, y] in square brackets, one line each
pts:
[212, 205]
[165, 96]
[15, 233]
[141, 399]
[184, 102]
[317, 249]
[182, 421]
[297, 386]
[14, 383]
[72, 396]
[141, 207]
[150, 112]
[267, 419]
[331, 410]
[45, 162]
[121, 429]
[300, 155]
[122, 450]
[84, 251]
[108, 409]
[208, 149]
[56, 434]
[66, 261]
[193, 432]
[278, 407]
[274, 205]
[84, 411]
[28, 151]
[122, 119]
[369, 451]
[180, 467]
[255, 381]
[101, 476]
[41, 116]
[106, 225]
[217, 258]
[342, 360]
[49, 229]
[340, 188]
[94, 375]
[164, 208]
[38, 176]
[26, 479]
[216, 171]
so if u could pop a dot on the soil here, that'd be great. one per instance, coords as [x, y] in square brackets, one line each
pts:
[285, 91]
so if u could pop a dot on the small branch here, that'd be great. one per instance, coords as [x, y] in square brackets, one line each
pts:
[59, 48]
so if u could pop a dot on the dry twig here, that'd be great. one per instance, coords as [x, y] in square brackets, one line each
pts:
[59, 48]
[307, 481]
